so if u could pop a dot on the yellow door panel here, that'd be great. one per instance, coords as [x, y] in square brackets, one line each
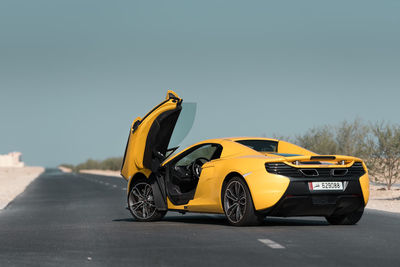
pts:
[205, 199]
[149, 136]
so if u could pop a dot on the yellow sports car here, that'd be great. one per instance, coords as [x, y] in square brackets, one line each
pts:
[244, 178]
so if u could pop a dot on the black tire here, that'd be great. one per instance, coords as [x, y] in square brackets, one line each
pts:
[141, 202]
[348, 219]
[238, 204]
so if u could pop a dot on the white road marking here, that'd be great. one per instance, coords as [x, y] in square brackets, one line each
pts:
[272, 244]
[114, 186]
[101, 182]
[124, 188]
[106, 183]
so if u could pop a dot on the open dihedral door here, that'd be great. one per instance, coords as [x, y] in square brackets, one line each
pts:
[149, 137]
[148, 144]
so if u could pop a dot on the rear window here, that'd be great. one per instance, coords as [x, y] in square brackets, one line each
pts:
[260, 145]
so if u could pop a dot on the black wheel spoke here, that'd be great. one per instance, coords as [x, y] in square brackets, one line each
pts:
[238, 213]
[231, 209]
[242, 201]
[151, 204]
[230, 195]
[147, 191]
[137, 193]
[136, 205]
[237, 189]
[144, 210]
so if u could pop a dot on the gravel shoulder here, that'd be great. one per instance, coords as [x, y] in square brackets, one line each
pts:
[13, 182]
[102, 172]
[382, 199]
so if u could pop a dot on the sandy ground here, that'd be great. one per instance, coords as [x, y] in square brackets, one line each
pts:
[13, 182]
[102, 172]
[64, 169]
[382, 199]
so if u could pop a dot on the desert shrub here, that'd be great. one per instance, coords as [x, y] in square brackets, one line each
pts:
[320, 140]
[377, 144]
[113, 164]
[384, 152]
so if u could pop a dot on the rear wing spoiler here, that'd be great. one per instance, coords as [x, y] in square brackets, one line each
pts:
[321, 160]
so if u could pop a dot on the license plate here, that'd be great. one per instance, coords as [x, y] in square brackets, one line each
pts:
[325, 186]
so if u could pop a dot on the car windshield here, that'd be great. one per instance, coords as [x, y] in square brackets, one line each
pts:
[184, 124]
[260, 145]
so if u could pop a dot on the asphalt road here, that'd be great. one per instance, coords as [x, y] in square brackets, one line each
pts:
[81, 220]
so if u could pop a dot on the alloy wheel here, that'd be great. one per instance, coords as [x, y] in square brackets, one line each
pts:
[235, 201]
[141, 201]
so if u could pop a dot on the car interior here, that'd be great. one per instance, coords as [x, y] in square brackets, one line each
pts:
[183, 173]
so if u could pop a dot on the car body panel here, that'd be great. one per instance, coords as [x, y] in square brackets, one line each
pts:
[364, 182]
[267, 189]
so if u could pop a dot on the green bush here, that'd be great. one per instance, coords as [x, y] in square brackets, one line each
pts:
[346, 138]
[384, 149]
[113, 164]
[377, 144]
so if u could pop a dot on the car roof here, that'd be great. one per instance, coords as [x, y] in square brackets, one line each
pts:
[219, 140]
[250, 138]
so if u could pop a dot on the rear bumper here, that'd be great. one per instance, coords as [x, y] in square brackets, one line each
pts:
[298, 200]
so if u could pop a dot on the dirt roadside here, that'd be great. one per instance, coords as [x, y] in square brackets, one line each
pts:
[382, 199]
[13, 182]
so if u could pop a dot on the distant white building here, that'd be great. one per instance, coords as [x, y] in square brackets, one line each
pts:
[12, 159]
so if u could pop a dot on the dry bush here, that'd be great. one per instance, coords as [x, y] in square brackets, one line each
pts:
[377, 144]
[384, 152]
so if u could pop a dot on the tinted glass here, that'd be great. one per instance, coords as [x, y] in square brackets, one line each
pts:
[184, 124]
[260, 145]
[206, 151]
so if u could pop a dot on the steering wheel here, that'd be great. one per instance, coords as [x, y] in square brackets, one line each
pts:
[196, 166]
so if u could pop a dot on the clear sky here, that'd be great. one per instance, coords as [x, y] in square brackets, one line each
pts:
[74, 74]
